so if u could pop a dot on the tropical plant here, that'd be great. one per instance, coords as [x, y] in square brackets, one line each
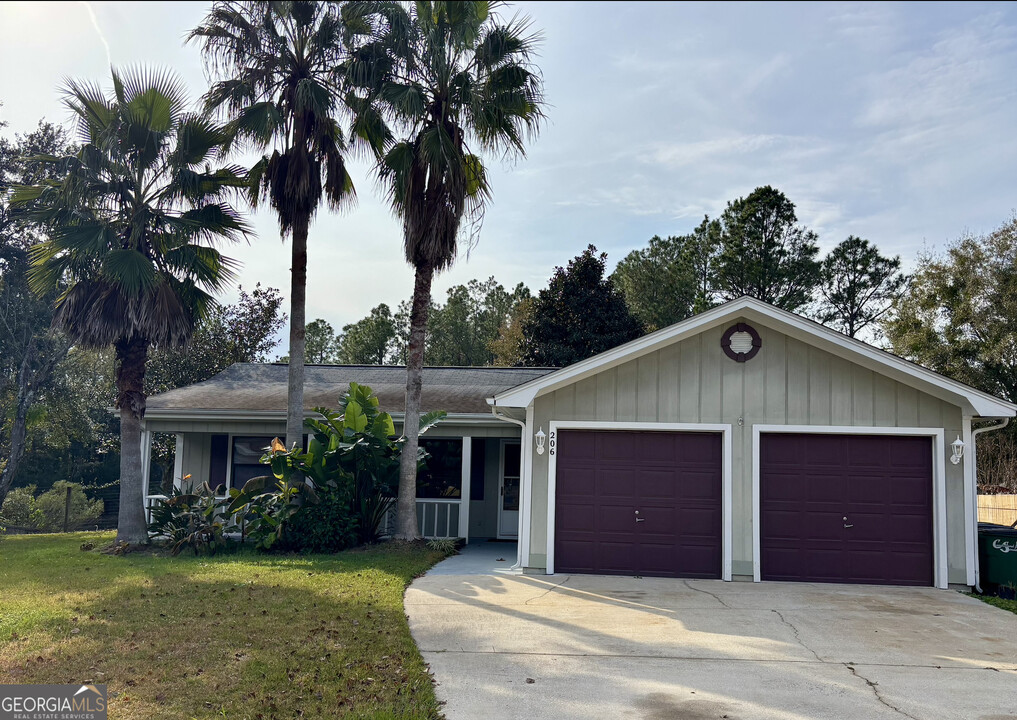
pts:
[338, 491]
[131, 225]
[196, 520]
[266, 504]
[281, 71]
[463, 82]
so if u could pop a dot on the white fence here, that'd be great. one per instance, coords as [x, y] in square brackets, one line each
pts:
[436, 518]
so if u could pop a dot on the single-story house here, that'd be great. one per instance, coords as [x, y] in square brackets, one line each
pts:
[746, 442]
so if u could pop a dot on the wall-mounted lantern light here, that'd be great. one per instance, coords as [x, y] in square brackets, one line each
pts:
[957, 446]
[540, 437]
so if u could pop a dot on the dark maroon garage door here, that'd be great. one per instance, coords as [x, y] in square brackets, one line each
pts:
[638, 503]
[846, 508]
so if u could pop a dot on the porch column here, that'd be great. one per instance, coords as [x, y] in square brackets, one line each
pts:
[146, 467]
[525, 489]
[464, 495]
[178, 463]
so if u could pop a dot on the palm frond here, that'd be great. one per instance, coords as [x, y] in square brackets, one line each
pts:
[131, 222]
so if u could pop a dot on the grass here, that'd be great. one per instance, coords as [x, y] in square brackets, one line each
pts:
[239, 636]
[999, 602]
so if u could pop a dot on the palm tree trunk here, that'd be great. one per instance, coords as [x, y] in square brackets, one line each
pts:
[131, 356]
[298, 321]
[406, 507]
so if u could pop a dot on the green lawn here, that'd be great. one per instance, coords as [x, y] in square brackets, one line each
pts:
[999, 602]
[235, 636]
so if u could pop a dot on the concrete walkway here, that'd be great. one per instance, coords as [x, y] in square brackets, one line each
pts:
[503, 645]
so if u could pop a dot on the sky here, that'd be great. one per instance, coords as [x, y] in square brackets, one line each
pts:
[894, 122]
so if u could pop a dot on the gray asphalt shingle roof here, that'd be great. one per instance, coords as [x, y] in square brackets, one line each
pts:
[262, 387]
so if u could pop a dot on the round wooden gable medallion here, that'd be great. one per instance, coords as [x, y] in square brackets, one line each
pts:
[741, 342]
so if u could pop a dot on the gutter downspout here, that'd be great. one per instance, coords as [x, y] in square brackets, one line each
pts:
[522, 468]
[974, 462]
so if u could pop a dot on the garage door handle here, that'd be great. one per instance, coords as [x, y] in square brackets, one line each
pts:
[848, 526]
[640, 519]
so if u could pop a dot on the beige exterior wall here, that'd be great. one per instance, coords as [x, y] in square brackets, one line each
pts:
[787, 382]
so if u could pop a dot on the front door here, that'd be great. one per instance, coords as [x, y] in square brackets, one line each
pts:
[508, 504]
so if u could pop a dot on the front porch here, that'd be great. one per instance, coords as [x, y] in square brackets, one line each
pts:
[469, 488]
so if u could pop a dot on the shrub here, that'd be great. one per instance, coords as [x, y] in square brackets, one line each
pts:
[335, 494]
[196, 520]
[446, 546]
[53, 504]
[20, 510]
[326, 526]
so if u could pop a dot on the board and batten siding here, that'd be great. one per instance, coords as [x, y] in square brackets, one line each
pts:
[788, 382]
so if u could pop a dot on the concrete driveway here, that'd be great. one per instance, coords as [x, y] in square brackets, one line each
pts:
[503, 645]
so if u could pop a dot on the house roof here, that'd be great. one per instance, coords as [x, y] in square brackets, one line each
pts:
[261, 389]
[974, 402]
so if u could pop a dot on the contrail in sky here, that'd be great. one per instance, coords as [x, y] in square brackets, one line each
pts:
[95, 24]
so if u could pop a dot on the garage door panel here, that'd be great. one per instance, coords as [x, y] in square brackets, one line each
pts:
[819, 492]
[655, 484]
[576, 517]
[615, 518]
[576, 480]
[673, 479]
[614, 446]
[700, 522]
[581, 553]
[881, 484]
[614, 557]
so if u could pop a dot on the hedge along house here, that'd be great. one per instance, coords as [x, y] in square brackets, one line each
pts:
[470, 488]
[749, 443]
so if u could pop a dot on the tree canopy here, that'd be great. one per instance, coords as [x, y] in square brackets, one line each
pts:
[131, 221]
[859, 285]
[959, 316]
[368, 341]
[765, 253]
[672, 278]
[579, 314]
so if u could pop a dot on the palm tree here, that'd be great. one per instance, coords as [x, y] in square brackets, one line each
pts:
[132, 222]
[462, 82]
[282, 69]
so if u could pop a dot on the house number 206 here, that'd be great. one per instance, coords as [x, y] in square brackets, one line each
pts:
[552, 442]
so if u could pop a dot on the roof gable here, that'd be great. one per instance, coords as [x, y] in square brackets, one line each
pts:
[973, 402]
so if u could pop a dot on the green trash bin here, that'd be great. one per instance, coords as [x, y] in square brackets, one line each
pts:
[997, 556]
